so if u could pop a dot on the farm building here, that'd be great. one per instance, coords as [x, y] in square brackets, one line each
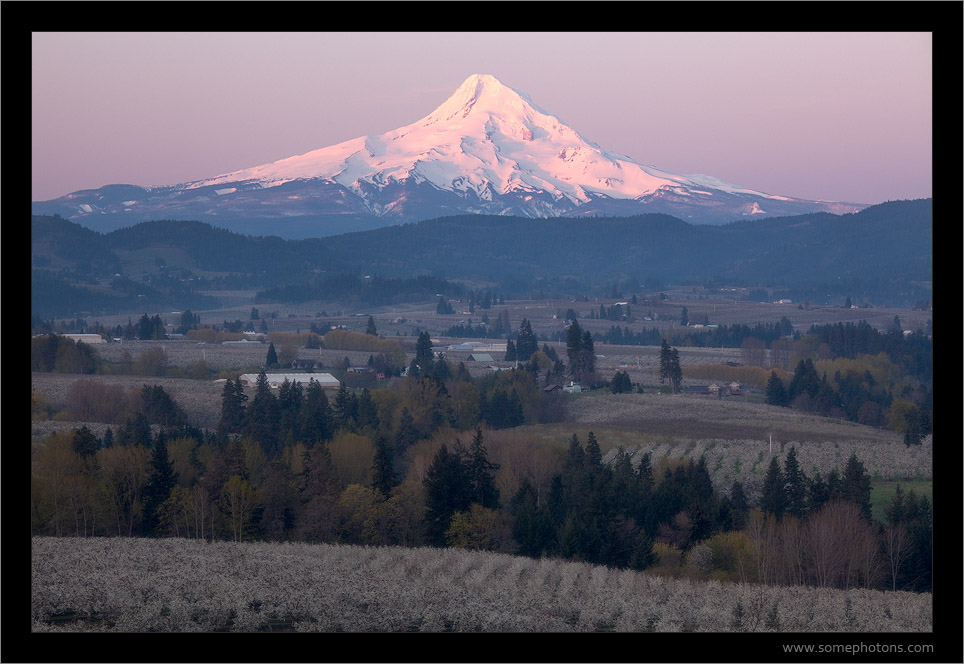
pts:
[275, 380]
[480, 357]
[479, 346]
[87, 338]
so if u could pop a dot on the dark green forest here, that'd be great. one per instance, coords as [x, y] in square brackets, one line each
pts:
[883, 254]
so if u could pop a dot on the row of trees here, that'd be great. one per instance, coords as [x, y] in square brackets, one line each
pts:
[820, 531]
[720, 336]
[855, 394]
[621, 513]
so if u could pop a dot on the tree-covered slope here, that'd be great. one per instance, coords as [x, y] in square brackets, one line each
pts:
[883, 251]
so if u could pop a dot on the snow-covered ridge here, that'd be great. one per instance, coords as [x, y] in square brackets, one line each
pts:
[486, 137]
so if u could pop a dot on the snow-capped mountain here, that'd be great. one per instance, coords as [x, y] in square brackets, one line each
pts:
[487, 149]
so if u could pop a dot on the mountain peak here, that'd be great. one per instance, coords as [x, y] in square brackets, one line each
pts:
[479, 92]
[485, 149]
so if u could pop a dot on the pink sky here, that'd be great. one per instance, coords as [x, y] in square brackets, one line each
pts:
[833, 116]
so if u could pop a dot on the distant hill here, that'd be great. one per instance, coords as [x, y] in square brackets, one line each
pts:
[882, 252]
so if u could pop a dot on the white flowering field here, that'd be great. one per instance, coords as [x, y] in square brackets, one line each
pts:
[176, 585]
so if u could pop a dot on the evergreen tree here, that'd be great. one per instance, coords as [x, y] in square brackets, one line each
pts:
[479, 472]
[795, 485]
[316, 419]
[643, 556]
[263, 421]
[511, 354]
[271, 361]
[588, 352]
[621, 383]
[444, 307]
[424, 357]
[895, 511]
[447, 492]
[145, 328]
[367, 410]
[160, 482]
[526, 342]
[136, 430]
[776, 393]
[232, 407]
[406, 433]
[855, 485]
[345, 408]
[290, 403]
[919, 522]
[818, 493]
[532, 527]
[572, 540]
[669, 366]
[574, 348]
[384, 477]
[84, 442]
[160, 408]
[773, 500]
[370, 328]
[739, 506]
[805, 381]
[581, 353]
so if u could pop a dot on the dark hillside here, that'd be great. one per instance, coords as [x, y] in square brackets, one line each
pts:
[882, 254]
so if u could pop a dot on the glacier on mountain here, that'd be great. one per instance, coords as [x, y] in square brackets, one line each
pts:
[486, 149]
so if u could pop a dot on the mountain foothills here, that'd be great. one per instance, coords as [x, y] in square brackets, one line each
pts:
[487, 150]
[882, 254]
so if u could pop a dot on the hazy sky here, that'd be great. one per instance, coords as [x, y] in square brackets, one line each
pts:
[835, 116]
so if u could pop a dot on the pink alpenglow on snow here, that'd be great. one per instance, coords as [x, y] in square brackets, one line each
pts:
[486, 135]
[487, 149]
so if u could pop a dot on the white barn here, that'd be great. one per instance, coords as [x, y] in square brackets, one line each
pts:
[87, 338]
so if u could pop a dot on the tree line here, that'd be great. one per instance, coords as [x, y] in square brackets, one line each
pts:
[853, 393]
[625, 512]
[365, 466]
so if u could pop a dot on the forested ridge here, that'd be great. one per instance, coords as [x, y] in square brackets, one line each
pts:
[883, 253]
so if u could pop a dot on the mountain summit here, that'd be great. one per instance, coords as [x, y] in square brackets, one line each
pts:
[487, 149]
